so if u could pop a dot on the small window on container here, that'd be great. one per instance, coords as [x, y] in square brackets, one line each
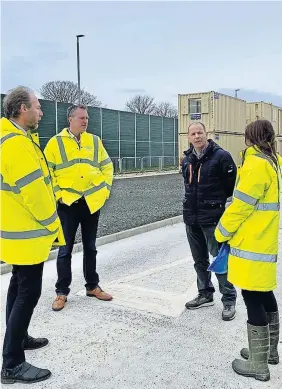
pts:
[195, 106]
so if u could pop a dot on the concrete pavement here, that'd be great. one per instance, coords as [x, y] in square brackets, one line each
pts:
[144, 338]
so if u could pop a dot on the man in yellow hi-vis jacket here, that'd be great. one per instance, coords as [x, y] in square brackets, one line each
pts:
[82, 175]
[29, 227]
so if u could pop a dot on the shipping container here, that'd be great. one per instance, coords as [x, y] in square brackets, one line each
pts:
[216, 111]
[280, 121]
[234, 143]
[262, 110]
[279, 145]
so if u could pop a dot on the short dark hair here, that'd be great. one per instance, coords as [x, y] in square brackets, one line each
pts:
[73, 108]
[14, 99]
[200, 123]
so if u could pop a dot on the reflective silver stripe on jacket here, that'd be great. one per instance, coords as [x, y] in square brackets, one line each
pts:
[263, 156]
[25, 234]
[223, 231]
[253, 256]
[7, 187]
[47, 180]
[49, 220]
[56, 188]
[106, 161]
[268, 207]
[62, 149]
[96, 148]
[245, 198]
[88, 191]
[29, 178]
[75, 161]
[24, 181]
[65, 163]
[6, 137]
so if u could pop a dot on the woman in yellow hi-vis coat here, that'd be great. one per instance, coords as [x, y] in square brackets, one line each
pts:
[251, 226]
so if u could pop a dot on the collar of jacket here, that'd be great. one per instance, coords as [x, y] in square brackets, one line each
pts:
[65, 132]
[212, 146]
[8, 127]
[251, 150]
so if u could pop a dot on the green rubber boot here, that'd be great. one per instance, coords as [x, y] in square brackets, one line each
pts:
[273, 320]
[257, 364]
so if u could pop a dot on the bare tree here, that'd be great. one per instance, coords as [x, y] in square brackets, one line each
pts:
[89, 99]
[67, 92]
[166, 109]
[143, 104]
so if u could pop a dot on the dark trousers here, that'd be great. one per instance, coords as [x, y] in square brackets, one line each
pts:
[71, 217]
[202, 242]
[258, 304]
[23, 295]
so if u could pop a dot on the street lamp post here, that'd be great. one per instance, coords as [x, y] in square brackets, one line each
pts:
[78, 66]
[236, 92]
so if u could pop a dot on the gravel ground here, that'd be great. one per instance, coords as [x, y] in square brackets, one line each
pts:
[138, 201]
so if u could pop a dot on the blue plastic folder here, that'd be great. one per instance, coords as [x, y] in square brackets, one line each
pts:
[220, 262]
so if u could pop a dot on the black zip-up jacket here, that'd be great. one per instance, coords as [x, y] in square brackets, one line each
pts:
[209, 181]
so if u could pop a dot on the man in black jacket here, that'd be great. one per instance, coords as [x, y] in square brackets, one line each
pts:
[209, 176]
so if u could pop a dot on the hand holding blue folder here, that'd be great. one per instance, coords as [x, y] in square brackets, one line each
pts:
[220, 263]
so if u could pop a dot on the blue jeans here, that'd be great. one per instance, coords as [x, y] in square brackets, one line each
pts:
[202, 242]
[71, 217]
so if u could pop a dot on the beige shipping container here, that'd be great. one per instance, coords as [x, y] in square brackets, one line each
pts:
[234, 143]
[279, 145]
[280, 121]
[262, 110]
[218, 112]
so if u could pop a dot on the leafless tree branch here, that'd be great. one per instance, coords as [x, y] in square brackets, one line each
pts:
[67, 92]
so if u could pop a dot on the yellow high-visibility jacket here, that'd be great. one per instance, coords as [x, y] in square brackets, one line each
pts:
[251, 224]
[29, 220]
[78, 170]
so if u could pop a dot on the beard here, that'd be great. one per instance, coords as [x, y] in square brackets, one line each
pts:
[32, 128]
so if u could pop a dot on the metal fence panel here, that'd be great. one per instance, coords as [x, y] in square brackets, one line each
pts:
[143, 141]
[94, 123]
[110, 121]
[156, 129]
[142, 127]
[127, 127]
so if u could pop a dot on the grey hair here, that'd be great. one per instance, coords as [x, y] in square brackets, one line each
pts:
[14, 99]
[73, 108]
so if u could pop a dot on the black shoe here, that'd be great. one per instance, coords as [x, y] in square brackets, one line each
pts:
[31, 343]
[228, 312]
[24, 373]
[200, 301]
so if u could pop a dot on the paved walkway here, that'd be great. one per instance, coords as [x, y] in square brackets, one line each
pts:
[144, 338]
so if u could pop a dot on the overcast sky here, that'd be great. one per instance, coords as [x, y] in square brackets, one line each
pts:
[159, 48]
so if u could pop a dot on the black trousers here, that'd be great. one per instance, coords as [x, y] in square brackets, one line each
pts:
[71, 217]
[258, 304]
[23, 295]
[202, 242]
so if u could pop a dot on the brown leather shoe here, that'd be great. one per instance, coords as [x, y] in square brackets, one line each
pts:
[59, 303]
[99, 294]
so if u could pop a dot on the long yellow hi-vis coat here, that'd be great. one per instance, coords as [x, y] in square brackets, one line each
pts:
[29, 220]
[251, 224]
[80, 170]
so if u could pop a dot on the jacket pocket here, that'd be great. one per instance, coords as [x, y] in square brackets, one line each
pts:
[213, 204]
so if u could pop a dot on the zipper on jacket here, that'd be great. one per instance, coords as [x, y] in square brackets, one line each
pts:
[199, 172]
